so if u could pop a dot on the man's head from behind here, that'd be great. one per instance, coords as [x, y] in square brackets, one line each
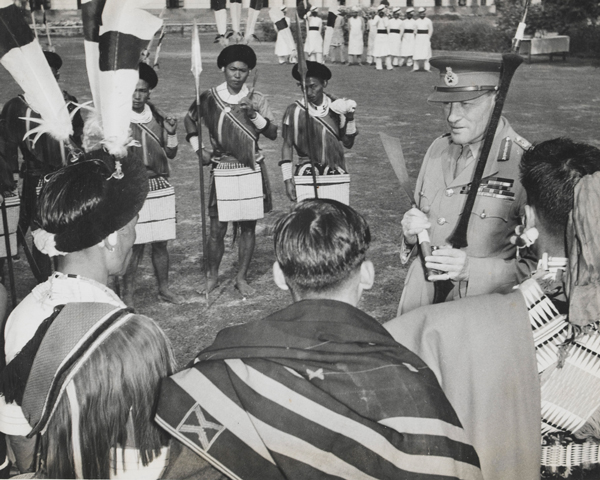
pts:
[549, 173]
[320, 249]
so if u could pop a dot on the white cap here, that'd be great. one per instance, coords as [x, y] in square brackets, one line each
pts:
[356, 8]
[380, 8]
[314, 9]
[396, 9]
[410, 10]
[422, 9]
[283, 8]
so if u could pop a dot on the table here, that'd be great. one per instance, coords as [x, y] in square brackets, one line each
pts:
[545, 46]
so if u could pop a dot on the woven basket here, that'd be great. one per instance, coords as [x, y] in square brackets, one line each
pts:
[334, 187]
[157, 216]
[239, 193]
[13, 204]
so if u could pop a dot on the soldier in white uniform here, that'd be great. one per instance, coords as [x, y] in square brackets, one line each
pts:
[381, 48]
[407, 31]
[395, 25]
[373, 19]
[422, 41]
[313, 47]
[356, 29]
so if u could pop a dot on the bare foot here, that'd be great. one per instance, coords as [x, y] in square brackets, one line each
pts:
[209, 286]
[245, 289]
[168, 296]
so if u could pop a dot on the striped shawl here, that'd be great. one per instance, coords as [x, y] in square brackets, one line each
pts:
[317, 390]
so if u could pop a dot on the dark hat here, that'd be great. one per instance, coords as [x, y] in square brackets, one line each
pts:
[53, 60]
[98, 196]
[237, 53]
[148, 74]
[465, 77]
[314, 70]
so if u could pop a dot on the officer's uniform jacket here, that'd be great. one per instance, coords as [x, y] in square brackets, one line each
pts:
[497, 211]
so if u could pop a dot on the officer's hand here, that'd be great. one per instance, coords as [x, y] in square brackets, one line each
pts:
[170, 125]
[246, 105]
[413, 223]
[290, 189]
[452, 261]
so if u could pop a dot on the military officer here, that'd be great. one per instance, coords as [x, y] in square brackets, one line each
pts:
[466, 92]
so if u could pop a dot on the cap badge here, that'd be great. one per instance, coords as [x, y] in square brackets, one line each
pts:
[451, 78]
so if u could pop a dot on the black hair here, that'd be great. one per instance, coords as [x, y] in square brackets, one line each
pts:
[320, 243]
[84, 202]
[549, 172]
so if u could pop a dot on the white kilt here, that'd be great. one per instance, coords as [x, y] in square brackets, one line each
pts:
[407, 48]
[382, 45]
[395, 38]
[422, 47]
[372, 35]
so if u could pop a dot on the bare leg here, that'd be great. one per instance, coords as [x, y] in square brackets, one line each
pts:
[215, 249]
[247, 241]
[160, 260]
[129, 278]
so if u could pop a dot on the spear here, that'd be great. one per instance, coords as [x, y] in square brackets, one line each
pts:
[196, 71]
[45, 22]
[160, 40]
[302, 69]
[32, 10]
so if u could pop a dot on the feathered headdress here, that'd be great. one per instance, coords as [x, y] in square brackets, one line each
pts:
[22, 55]
[116, 32]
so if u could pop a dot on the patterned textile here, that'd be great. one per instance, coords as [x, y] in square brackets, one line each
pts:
[316, 390]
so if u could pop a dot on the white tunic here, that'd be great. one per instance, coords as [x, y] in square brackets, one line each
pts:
[355, 36]
[423, 40]
[314, 40]
[395, 24]
[382, 40]
[282, 45]
[372, 34]
[409, 27]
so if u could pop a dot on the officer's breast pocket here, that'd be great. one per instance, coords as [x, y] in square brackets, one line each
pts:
[490, 225]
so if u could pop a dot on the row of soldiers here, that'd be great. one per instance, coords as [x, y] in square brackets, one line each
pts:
[390, 39]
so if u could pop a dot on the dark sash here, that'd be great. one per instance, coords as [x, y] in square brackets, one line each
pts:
[394, 30]
[325, 143]
[228, 126]
[157, 163]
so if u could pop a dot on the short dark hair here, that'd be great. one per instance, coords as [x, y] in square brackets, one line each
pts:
[83, 203]
[320, 243]
[549, 172]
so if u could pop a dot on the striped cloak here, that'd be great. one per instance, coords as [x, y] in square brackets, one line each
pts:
[317, 390]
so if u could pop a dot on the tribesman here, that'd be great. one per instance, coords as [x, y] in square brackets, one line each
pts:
[372, 24]
[235, 117]
[407, 48]
[466, 92]
[381, 48]
[313, 46]
[283, 47]
[157, 135]
[423, 35]
[356, 30]
[395, 25]
[40, 157]
[332, 129]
